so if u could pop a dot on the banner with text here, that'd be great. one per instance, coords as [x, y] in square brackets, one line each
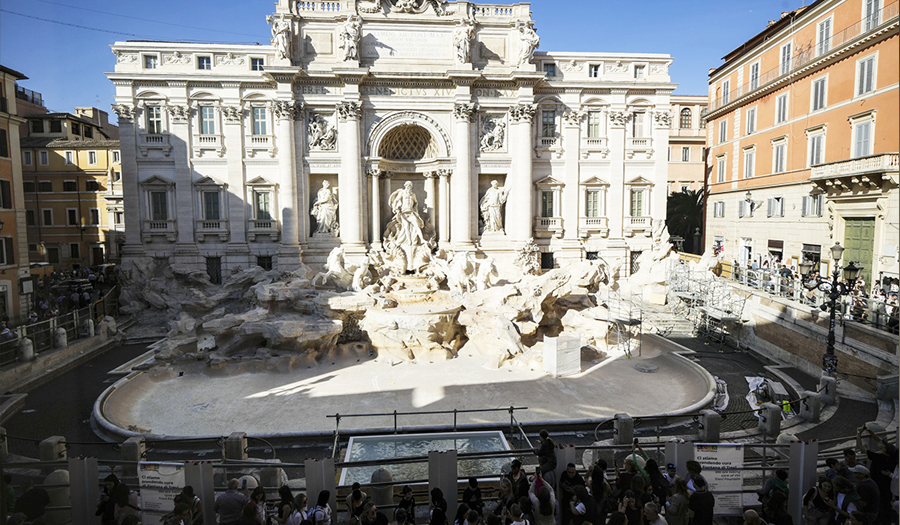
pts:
[160, 483]
[723, 465]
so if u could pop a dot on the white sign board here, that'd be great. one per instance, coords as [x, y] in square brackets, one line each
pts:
[160, 483]
[723, 466]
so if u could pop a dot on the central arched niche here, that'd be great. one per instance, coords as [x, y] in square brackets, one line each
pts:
[408, 142]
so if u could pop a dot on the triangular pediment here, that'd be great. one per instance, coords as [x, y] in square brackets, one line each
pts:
[208, 181]
[595, 181]
[640, 181]
[157, 180]
[549, 181]
[260, 181]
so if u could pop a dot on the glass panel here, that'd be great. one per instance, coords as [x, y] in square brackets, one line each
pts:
[548, 123]
[592, 206]
[263, 209]
[259, 121]
[637, 201]
[546, 204]
[594, 124]
[207, 120]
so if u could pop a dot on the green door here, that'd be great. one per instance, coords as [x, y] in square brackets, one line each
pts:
[859, 239]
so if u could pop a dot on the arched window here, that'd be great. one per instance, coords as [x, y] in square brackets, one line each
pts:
[687, 119]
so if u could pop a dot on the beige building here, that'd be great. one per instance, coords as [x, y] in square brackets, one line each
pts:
[72, 184]
[803, 134]
[687, 143]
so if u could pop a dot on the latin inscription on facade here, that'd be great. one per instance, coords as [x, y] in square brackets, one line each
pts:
[388, 91]
[377, 43]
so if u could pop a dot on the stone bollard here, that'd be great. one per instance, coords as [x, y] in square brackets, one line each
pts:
[4, 448]
[52, 449]
[134, 449]
[236, 446]
[811, 407]
[59, 497]
[89, 328]
[710, 423]
[271, 477]
[62, 338]
[875, 427]
[886, 388]
[828, 390]
[382, 495]
[624, 429]
[26, 350]
[770, 420]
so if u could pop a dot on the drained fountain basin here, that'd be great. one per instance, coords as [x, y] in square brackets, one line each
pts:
[368, 448]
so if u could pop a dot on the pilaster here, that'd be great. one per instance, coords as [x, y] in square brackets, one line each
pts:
[186, 249]
[229, 116]
[617, 200]
[461, 186]
[520, 205]
[571, 207]
[131, 189]
[289, 255]
[350, 179]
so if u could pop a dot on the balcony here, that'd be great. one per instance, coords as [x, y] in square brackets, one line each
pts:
[160, 228]
[208, 142]
[158, 141]
[548, 226]
[638, 224]
[216, 228]
[255, 143]
[638, 146]
[543, 144]
[594, 145]
[688, 132]
[864, 173]
[267, 227]
[593, 225]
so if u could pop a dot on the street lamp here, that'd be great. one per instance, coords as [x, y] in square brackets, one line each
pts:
[833, 289]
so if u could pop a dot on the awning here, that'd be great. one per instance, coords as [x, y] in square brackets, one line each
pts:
[776, 245]
[812, 248]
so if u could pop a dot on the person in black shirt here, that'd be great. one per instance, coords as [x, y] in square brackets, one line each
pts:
[408, 504]
[567, 483]
[472, 496]
[518, 480]
[881, 466]
[33, 502]
[701, 503]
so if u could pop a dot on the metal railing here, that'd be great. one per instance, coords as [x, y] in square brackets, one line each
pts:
[804, 56]
[43, 333]
[859, 308]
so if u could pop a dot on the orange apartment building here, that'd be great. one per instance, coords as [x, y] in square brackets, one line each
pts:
[15, 282]
[803, 135]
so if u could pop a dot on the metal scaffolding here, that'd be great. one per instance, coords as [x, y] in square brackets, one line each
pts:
[624, 318]
[707, 301]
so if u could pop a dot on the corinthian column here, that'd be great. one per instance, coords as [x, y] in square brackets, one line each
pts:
[289, 253]
[520, 205]
[461, 185]
[350, 179]
[444, 208]
[375, 176]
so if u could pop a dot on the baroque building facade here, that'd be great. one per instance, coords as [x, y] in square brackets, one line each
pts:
[803, 141]
[271, 155]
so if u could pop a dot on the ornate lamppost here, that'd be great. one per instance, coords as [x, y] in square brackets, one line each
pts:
[833, 289]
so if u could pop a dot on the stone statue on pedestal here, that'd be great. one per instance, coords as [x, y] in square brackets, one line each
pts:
[462, 40]
[530, 41]
[281, 36]
[350, 31]
[325, 211]
[492, 207]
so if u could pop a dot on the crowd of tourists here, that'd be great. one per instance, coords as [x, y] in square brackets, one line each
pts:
[852, 491]
[60, 293]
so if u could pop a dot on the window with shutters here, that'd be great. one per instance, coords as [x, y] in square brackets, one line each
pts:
[30, 218]
[775, 207]
[45, 186]
[872, 14]
[685, 154]
[55, 126]
[92, 185]
[749, 162]
[751, 120]
[781, 108]
[95, 216]
[818, 93]
[72, 216]
[92, 158]
[726, 92]
[44, 158]
[27, 158]
[785, 63]
[4, 143]
[211, 206]
[28, 186]
[70, 185]
[812, 205]
[723, 131]
[719, 209]
[862, 134]
[37, 126]
[816, 140]
[823, 37]
[779, 155]
[721, 168]
[754, 76]
[745, 209]
[159, 205]
[865, 75]
[9, 252]
[6, 198]
[74, 250]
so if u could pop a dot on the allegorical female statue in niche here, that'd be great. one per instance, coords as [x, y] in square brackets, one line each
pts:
[491, 206]
[325, 210]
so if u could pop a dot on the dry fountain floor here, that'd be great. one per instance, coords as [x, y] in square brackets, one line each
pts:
[199, 404]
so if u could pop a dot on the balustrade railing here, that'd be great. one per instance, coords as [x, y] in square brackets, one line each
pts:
[883, 161]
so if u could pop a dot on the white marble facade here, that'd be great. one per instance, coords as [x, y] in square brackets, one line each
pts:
[226, 148]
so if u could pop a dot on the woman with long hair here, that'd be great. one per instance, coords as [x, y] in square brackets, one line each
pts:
[321, 513]
[678, 504]
[285, 504]
[583, 507]
[543, 499]
[815, 503]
